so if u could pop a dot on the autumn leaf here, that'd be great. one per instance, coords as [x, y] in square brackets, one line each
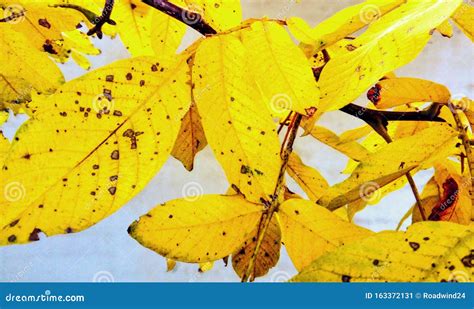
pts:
[310, 230]
[146, 31]
[98, 142]
[44, 27]
[446, 196]
[280, 68]
[199, 231]
[191, 138]
[391, 162]
[445, 29]
[426, 252]
[463, 18]
[236, 124]
[37, 71]
[267, 256]
[308, 178]
[393, 92]
[389, 42]
[346, 144]
[341, 24]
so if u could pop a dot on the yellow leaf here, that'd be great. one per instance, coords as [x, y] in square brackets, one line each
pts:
[206, 266]
[445, 29]
[239, 130]
[390, 42]
[199, 231]
[463, 17]
[170, 265]
[446, 196]
[402, 90]
[267, 256]
[219, 14]
[344, 144]
[391, 162]
[308, 178]
[147, 32]
[310, 230]
[426, 252]
[36, 71]
[44, 26]
[191, 138]
[97, 142]
[341, 24]
[4, 142]
[280, 68]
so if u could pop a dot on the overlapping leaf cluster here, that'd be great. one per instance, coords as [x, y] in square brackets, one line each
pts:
[95, 142]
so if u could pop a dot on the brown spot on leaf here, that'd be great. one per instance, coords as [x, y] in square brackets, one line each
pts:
[34, 235]
[44, 23]
[468, 260]
[112, 190]
[11, 238]
[414, 245]
[115, 155]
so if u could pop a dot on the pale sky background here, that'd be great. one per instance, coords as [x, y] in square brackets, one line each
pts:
[105, 252]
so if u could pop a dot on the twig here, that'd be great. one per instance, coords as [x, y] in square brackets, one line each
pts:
[102, 19]
[373, 116]
[268, 214]
[467, 147]
[192, 19]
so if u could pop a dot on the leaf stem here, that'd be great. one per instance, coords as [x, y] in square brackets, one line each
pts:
[467, 147]
[287, 149]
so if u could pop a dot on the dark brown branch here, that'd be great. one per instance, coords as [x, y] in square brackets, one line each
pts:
[102, 19]
[192, 19]
[376, 117]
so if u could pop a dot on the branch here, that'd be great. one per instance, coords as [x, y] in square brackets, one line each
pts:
[268, 214]
[375, 117]
[192, 19]
[102, 19]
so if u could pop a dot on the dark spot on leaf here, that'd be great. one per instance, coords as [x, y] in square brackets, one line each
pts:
[115, 155]
[44, 23]
[414, 245]
[34, 235]
[468, 260]
[346, 278]
[112, 190]
[11, 238]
